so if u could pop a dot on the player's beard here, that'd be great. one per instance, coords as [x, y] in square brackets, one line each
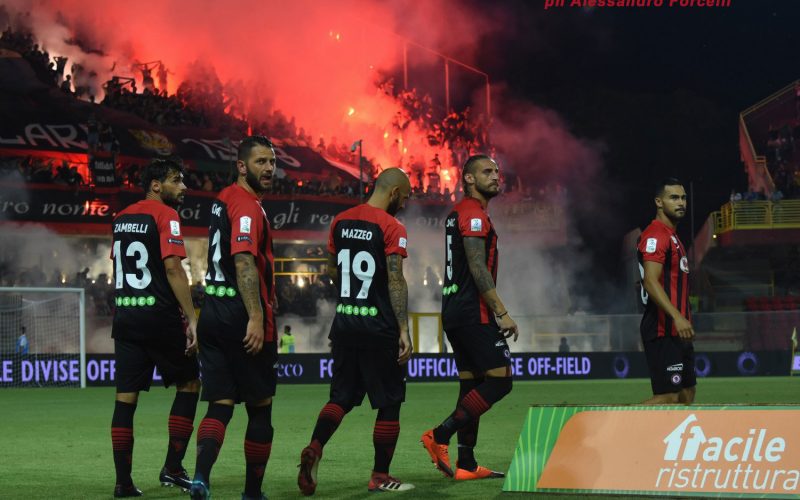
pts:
[254, 182]
[173, 200]
[486, 193]
[394, 206]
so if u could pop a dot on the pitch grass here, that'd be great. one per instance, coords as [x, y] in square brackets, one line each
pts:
[56, 442]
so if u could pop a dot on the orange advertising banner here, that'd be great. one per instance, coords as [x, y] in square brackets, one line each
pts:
[739, 451]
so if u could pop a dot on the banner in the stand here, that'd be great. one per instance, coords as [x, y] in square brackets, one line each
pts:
[102, 166]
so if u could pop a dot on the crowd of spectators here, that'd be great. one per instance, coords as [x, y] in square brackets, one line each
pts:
[40, 171]
[202, 100]
[783, 159]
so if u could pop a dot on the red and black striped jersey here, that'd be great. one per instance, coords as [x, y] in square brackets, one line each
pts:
[659, 243]
[144, 234]
[360, 239]
[462, 303]
[239, 225]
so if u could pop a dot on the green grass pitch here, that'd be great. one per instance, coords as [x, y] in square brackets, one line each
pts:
[56, 442]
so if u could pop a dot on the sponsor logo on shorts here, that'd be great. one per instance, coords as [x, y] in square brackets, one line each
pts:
[500, 343]
[244, 238]
[678, 367]
[174, 241]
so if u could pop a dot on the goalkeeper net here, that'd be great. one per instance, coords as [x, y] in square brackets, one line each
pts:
[42, 337]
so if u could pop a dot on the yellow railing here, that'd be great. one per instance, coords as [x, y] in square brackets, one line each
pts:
[739, 215]
[287, 266]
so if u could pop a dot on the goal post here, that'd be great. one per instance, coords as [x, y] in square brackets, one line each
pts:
[42, 337]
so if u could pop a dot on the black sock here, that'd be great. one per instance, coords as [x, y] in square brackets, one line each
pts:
[181, 425]
[468, 435]
[122, 440]
[474, 404]
[210, 436]
[328, 421]
[257, 447]
[384, 437]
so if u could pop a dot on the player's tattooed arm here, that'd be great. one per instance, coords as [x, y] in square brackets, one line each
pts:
[475, 248]
[476, 259]
[398, 296]
[398, 290]
[248, 283]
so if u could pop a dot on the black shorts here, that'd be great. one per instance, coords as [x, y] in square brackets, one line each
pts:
[671, 364]
[135, 360]
[227, 371]
[374, 372]
[479, 348]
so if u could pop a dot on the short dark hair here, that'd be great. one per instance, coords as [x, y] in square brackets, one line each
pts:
[666, 181]
[158, 170]
[469, 167]
[248, 143]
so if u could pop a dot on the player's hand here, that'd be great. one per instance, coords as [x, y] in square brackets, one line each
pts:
[405, 348]
[508, 327]
[254, 338]
[191, 339]
[684, 328]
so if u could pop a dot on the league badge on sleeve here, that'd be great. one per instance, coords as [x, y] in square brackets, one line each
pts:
[652, 243]
[403, 243]
[175, 228]
[475, 225]
[244, 224]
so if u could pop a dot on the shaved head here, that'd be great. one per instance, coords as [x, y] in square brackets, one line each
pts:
[392, 189]
[390, 178]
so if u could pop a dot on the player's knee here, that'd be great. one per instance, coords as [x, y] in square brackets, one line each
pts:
[346, 406]
[686, 396]
[128, 397]
[667, 398]
[191, 386]
[260, 404]
[498, 387]
[389, 413]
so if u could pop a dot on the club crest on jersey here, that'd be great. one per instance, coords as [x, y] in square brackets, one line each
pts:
[475, 225]
[403, 243]
[244, 224]
[175, 228]
[652, 243]
[684, 263]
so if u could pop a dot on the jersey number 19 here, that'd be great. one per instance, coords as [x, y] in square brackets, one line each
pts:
[363, 267]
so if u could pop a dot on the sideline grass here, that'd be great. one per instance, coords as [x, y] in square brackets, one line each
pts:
[56, 442]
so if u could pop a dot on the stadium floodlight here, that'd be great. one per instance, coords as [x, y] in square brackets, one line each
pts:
[42, 337]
